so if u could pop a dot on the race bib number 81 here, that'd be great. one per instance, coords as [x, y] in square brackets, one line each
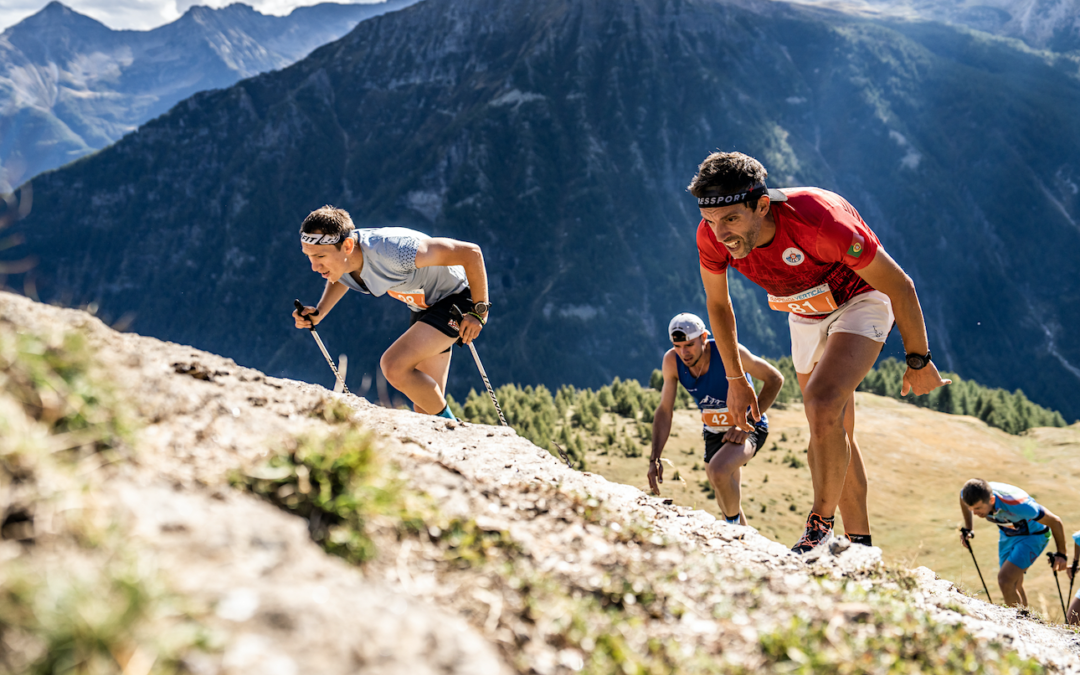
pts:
[817, 300]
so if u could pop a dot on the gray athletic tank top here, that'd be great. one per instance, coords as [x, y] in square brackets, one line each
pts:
[390, 269]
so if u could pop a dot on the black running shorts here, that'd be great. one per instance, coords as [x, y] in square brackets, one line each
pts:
[713, 442]
[438, 315]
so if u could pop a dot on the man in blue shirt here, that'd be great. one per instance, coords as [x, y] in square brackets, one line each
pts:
[694, 362]
[1025, 529]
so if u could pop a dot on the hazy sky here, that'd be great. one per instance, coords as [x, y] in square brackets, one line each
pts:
[139, 14]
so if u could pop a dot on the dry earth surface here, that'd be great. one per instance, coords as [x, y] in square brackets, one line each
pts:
[464, 548]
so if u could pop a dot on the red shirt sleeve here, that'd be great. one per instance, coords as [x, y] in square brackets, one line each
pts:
[709, 250]
[844, 237]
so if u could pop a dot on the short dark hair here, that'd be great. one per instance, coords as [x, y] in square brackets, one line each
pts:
[975, 491]
[328, 220]
[731, 172]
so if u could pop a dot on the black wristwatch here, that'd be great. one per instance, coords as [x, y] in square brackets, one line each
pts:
[481, 307]
[917, 361]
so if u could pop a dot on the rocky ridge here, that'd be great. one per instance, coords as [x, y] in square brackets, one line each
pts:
[491, 556]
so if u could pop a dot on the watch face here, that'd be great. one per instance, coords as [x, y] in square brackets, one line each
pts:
[916, 361]
[481, 307]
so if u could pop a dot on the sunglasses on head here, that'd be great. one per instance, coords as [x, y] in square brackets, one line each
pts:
[678, 336]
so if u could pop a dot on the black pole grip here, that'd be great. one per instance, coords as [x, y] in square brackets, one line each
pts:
[300, 310]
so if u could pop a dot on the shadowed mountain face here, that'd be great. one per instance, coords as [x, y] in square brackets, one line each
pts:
[70, 85]
[560, 135]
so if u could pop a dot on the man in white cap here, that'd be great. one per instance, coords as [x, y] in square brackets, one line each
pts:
[695, 362]
[430, 275]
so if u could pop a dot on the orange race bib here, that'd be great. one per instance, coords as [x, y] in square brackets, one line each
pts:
[817, 300]
[717, 418]
[412, 299]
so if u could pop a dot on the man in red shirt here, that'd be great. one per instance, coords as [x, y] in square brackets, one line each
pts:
[819, 262]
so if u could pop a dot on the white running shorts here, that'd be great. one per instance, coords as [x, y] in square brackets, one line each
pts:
[868, 314]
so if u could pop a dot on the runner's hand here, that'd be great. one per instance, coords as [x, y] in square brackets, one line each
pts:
[470, 328]
[922, 381]
[736, 436]
[966, 534]
[740, 396]
[1072, 570]
[1059, 562]
[656, 475]
[309, 319]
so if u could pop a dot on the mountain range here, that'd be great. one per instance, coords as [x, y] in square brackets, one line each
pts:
[1043, 24]
[70, 85]
[560, 136]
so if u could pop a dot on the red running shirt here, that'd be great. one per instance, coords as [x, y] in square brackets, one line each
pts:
[820, 239]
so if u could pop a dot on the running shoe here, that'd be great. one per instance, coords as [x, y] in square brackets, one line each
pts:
[818, 530]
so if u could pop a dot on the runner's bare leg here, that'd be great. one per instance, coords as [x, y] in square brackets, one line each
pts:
[724, 472]
[438, 368]
[853, 498]
[853, 509]
[846, 361]
[400, 365]
[1011, 583]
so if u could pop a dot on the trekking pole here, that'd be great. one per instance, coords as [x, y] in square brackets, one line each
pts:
[985, 589]
[1071, 580]
[322, 347]
[1050, 556]
[456, 313]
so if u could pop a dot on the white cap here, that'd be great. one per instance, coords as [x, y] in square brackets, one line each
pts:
[686, 323]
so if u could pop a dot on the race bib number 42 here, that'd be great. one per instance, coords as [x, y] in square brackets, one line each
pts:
[412, 298]
[717, 418]
[817, 300]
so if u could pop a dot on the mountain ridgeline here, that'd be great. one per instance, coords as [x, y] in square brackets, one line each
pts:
[1043, 24]
[70, 85]
[560, 135]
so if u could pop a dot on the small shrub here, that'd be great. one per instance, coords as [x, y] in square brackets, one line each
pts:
[337, 483]
[793, 461]
[707, 488]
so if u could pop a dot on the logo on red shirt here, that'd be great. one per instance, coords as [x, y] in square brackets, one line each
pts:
[793, 256]
[856, 248]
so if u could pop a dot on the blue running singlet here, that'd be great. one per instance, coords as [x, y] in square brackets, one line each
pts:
[710, 392]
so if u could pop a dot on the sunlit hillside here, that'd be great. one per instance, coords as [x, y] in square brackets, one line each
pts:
[917, 460]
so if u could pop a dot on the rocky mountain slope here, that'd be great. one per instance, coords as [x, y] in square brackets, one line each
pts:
[559, 135]
[1043, 24]
[70, 85]
[917, 461]
[165, 510]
